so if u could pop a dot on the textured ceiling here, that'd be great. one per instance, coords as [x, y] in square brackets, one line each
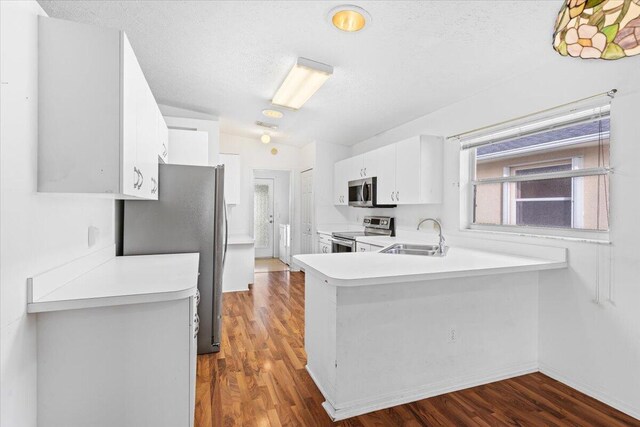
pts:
[228, 58]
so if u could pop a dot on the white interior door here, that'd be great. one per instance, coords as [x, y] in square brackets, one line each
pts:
[307, 211]
[263, 223]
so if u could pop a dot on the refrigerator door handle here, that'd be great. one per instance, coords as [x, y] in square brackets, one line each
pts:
[226, 232]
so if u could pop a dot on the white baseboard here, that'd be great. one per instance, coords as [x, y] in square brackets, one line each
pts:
[590, 391]
[419, 393]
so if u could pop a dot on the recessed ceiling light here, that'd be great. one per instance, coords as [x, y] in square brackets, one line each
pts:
[275, 114]
[304, 79]
[265, 138]
[349, 18]
[267, 125]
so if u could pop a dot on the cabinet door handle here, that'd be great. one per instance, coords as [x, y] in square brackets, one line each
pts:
[136, 177]
[392, 196]
[365, 171]
[141, 179]
[164, 150]
[397, 195]
[155, 186]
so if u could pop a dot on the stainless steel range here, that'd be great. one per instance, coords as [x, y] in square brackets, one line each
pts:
[345, 241]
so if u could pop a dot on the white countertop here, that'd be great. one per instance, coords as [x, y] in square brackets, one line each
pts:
[125, 280]
[241, 239]
[372, 268]
[332, 228]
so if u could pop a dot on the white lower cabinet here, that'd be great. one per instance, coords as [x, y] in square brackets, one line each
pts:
[324, 244]
[128, 365]
[366, 247]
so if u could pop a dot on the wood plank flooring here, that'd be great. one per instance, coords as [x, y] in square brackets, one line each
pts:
[258, 379]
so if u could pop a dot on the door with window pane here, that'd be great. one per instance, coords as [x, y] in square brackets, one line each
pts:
[263, 224]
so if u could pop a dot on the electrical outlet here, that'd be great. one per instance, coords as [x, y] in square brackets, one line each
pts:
[453, 335]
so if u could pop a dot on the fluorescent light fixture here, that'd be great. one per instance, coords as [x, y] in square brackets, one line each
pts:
[265, 138]
[304, 79]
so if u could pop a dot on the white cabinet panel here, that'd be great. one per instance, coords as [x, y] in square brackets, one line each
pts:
[363, 247]
[232, 177]
[141, 355]
[386, 174]
[408, 176]
[356, 168]
[340, 182]
[188, 147]
[95, 107]
[163, 139]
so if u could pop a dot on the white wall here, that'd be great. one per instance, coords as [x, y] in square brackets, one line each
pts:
[38, 231]
[255, 155]
[281, 205]
[594, 347]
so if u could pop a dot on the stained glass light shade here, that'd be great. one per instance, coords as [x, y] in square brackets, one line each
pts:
[598, 29]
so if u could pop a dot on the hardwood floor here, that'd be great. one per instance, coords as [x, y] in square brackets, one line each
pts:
[259, 379]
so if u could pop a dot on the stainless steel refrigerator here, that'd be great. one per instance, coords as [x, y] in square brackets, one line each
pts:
[189, 216]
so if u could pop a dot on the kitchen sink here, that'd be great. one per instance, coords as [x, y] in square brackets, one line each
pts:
[409, 249]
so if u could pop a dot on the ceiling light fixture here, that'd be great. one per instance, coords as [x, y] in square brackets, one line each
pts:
[265, 138]
[349, 18]
[598, 29]
[274, 114]
[304, 79]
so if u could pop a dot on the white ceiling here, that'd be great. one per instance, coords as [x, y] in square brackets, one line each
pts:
[228, 58]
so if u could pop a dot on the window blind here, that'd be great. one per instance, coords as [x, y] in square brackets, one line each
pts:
[587, 110]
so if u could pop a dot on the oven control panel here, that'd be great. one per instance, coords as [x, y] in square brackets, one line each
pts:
[382, 222]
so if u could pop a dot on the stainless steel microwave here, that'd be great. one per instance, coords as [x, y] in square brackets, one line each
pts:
[362, 193]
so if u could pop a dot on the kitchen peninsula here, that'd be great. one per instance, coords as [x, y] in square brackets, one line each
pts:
[386, 329]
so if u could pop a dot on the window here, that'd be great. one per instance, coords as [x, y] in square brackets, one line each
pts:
[540, 175]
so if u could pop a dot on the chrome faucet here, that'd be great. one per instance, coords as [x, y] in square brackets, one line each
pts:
[441, 247]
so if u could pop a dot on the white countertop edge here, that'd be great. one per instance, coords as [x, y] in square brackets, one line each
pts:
[75, 304]
[235, 240]
[384, 280]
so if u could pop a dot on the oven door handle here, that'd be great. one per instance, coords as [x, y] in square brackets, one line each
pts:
[348, 243]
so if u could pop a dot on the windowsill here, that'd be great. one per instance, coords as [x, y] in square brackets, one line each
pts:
[522, 233]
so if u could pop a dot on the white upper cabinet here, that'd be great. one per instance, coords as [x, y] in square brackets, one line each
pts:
[356, 168]
[232, 176]
[419, 170]
[98, 128]
[188, 147]
[163, 139]
[341, 178]
[408, 172]
[385, 173]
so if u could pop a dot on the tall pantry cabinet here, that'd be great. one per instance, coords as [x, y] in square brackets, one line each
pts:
[99, 129]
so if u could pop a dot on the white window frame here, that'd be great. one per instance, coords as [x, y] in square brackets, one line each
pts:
[468, 183]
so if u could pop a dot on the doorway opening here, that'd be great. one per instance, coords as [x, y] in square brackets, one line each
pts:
[272, 213]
